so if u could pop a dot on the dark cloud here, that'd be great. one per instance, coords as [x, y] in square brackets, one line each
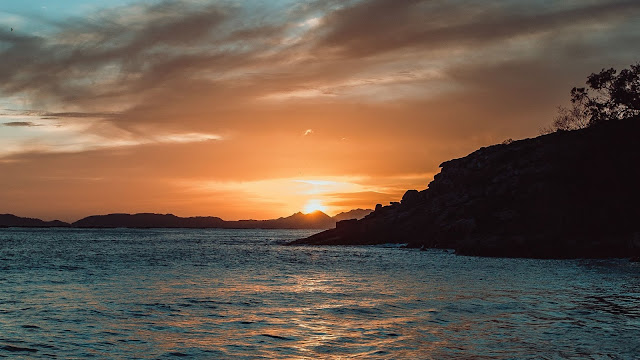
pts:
[379, 26]
[130, 63]
[20, 124]
[56, 115]
[120, 52]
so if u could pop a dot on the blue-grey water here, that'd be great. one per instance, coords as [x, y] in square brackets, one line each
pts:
[171, 293]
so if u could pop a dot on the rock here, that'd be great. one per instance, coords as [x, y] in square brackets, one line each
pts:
[563, 195]
[346, 224]
[410, 198]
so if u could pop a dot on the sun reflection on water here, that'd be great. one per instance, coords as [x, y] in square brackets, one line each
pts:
[215, 294]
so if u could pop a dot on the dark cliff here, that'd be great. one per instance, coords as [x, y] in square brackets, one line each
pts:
[562, 195]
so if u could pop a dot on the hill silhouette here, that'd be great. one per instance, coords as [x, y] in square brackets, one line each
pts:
[563, 195]
[10, 220]
[147, 220]
[314, 220]
[352, 214]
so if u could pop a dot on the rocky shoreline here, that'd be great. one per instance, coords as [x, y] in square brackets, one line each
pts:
[571, 194]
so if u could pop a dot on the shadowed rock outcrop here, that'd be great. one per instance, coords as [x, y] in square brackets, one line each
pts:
[561, 195]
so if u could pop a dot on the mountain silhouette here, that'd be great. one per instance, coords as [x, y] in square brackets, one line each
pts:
[146, 220]
[9, 220]
[352, 214]
[314, 220]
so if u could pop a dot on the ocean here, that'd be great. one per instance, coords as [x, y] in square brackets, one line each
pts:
[240, 294]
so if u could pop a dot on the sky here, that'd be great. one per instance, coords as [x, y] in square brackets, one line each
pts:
[259, 109]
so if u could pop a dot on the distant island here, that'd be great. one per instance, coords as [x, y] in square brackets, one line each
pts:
[568, 194]
[313, 220]
[10, 220]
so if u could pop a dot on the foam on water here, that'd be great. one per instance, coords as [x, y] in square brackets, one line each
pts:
[68, 293]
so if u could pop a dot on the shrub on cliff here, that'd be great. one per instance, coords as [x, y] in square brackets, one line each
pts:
[609, 95]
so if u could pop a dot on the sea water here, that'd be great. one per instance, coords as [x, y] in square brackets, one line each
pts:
[241, 294]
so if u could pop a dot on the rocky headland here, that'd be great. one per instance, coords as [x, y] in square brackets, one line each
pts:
[569, 194]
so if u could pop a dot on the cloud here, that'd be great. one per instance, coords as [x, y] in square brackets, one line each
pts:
[20, 124]
[187, 138]
[82, 136]
[79, 115]
[379, 26]
[114, 53]
[364, 199]
[132, 64]
[147, 90]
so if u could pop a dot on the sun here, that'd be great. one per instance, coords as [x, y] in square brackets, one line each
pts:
[314, 205]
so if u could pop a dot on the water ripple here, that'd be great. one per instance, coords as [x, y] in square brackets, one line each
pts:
[167, 294]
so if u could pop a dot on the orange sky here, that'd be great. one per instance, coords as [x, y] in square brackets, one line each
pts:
[253, 110]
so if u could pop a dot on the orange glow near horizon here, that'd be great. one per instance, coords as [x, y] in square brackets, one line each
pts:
[258, 110]
[314, 205]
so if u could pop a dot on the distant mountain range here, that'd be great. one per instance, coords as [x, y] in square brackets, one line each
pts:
[314, 220]
[7, 220]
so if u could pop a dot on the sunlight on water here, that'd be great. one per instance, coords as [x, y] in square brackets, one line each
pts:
[240, 294]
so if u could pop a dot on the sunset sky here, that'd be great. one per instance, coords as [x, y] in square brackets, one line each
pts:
[259, 109]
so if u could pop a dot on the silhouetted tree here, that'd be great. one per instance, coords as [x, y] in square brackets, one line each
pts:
[573, 118]
[609, 96]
